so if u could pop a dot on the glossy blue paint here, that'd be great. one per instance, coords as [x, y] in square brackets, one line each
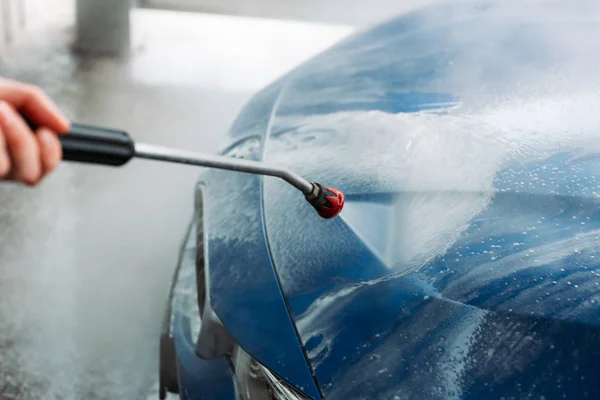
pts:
[466, 266]
[244, 289]
[245, 292]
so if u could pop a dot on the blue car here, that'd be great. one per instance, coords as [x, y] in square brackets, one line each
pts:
[466, 262]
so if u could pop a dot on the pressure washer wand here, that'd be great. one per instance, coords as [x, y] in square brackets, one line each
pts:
[97, 145]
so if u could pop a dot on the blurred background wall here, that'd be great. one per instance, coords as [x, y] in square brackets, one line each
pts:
[13, 20]
[19, 16]
[353, 12]
[104, 26]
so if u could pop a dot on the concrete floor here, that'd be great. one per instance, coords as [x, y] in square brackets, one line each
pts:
[86, 258]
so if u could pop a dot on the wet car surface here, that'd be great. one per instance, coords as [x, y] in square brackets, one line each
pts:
[464, 264]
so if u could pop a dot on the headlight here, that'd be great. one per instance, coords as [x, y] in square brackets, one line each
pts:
[256, 382]
[244, 148]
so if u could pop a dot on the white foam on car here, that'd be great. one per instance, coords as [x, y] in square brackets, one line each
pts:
[441, 165]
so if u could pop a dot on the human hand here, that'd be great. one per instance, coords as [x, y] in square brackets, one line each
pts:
[26, 156]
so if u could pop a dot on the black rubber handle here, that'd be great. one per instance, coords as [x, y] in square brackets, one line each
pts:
[95, 145]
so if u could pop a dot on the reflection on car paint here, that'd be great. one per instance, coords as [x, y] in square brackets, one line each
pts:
[245, 291]
[465, 264]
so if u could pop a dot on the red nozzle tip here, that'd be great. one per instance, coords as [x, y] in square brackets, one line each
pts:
[327, 201]
[336, 198]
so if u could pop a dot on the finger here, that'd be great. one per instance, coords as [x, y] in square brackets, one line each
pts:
[50, 150]
[33, 102]
[4, 158]
[22, 146]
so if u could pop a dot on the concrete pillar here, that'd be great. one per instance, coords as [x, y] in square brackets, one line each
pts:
[3, 29]
[103, 27]
[12, 18]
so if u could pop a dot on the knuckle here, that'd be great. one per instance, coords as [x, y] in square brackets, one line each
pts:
[31, 179]
[29, 175]
[7, 116]
[19, 143]
[50, 165]
[5, 111]
[4, 167]
[36, 92]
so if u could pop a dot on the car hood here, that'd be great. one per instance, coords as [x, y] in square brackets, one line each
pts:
[466, 140]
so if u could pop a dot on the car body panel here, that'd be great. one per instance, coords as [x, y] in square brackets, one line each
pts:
[464, 264]
[237, 279]
[245, 292]
[244, 289]
[199, 379]
[181, 370]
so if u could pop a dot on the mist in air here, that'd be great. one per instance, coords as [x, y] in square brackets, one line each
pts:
[86, 259]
